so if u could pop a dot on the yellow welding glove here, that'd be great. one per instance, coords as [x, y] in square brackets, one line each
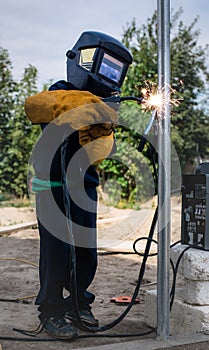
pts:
[61, 106]
[91, 132]
[99, 148]
[81, 110]
[87, 115]
[99, 141]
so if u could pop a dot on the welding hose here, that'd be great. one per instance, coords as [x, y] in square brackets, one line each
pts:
[73, 257]
[73, 290]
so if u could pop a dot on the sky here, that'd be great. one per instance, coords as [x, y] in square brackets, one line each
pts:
[40, 32]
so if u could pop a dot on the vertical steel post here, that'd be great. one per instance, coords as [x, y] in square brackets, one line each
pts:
[164, 159]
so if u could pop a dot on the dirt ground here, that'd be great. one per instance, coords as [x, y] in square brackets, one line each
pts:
[117, 275]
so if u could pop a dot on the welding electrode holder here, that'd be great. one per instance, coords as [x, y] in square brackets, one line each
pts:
[117, 99]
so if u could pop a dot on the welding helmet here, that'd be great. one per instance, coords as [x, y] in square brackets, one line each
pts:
[98, 63]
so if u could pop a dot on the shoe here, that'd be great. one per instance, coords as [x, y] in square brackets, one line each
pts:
[86, 317]
[59, 327]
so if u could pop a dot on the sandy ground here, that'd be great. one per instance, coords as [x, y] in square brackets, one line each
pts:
[117, 275]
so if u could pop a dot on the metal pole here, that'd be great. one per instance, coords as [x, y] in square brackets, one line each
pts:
[164, 159]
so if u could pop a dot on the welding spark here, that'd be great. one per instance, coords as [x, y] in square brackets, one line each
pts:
[153, 99]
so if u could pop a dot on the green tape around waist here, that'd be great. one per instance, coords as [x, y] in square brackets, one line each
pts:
[43, 185]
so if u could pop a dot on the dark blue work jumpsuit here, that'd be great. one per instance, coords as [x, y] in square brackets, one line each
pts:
[55, 259]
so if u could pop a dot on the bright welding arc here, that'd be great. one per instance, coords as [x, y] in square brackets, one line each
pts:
[153, 99]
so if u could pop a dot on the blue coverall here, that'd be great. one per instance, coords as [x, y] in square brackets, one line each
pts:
[54, 267]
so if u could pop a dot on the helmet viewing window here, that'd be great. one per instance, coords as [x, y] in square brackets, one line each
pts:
[87, 58]
[111, 68]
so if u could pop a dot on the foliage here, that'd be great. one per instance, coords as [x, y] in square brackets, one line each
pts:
[189, 80]
[190, 119]
[128, 170]
[7, 97]
[17, 134]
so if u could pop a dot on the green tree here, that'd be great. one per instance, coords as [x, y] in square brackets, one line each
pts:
[189, 79]
[7, 100]
[19, 135]
[190, 127]
[24, 134]
[7, 97]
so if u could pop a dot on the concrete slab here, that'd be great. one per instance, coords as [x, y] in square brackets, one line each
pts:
[194, 264]
[184, 318]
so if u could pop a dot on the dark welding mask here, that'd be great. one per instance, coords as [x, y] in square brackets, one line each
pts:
[98, 63]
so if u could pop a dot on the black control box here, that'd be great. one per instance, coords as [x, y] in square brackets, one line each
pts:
[195, 210]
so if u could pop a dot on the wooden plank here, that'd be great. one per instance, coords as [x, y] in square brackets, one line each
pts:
[12, 228]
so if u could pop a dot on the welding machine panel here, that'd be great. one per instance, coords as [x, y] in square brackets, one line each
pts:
[195, 210]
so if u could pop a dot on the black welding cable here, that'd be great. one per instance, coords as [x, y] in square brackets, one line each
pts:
[73, 255]
[140, 277]
[74, 281]
[144, 238]
[175, 269]
[82, 336]
[73, 278]
[72, 265]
